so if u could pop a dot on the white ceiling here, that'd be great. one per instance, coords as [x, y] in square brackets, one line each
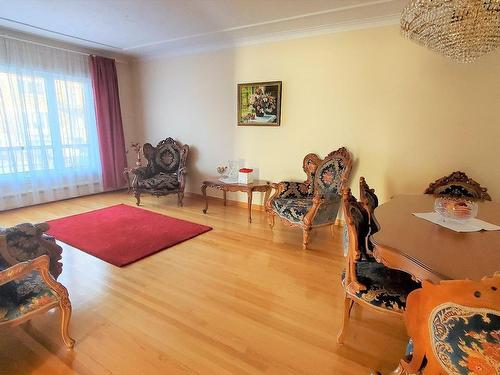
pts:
[151, 27]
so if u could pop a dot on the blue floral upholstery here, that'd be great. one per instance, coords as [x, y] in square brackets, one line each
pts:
[296, 190]
[24, 295]
[293, 210]
[327, 211]
[466, 340]
[385, 287]
[328, 177]
[458, 184]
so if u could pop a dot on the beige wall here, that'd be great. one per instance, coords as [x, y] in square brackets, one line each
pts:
[407, 115]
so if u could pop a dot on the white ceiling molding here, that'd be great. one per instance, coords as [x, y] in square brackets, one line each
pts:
[390, 20]
[171, 27]
[270, 22]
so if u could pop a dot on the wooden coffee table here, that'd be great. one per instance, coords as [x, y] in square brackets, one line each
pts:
[258, 185]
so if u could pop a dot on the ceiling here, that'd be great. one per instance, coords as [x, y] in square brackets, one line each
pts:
[153, 27]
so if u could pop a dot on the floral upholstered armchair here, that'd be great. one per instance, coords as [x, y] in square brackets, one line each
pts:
[315, 202]
[165, 172]
[29, 266]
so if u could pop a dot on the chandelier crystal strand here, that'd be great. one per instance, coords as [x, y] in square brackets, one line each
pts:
[461, 30]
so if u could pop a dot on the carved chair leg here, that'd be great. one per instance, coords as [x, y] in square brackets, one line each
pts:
[65, 306]
[137, 195]
[180, 196]
[348, 303]
[270, 220]
[305, 240]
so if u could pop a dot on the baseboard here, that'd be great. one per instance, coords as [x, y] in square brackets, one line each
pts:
[231, 202]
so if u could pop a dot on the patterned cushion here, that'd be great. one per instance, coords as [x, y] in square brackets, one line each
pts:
[293, 210]
[466, 340]
[455, 190]
[296, 190]
[161, 181]
[328, 177]
[327, 211]
[28, 294]
[385, 287]
[167, 158]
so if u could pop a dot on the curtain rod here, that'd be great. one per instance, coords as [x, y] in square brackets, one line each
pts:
[54, 47]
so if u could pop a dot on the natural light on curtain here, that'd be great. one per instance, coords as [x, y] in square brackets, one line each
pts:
[48, 138]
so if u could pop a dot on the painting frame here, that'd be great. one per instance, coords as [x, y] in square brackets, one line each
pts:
[272, 118]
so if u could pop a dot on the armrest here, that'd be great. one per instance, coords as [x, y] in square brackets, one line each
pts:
[40, 264]
[181, 177]
[139, 171]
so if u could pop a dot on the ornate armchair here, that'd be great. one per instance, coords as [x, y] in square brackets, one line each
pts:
[165, 172]
[29, 264]
[458, 184]
[367, 282]
[315, 202]
[454, 326]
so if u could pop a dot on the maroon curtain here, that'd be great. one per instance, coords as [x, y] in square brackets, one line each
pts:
[109, 121]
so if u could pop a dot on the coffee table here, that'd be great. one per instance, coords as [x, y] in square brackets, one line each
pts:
[258, 185]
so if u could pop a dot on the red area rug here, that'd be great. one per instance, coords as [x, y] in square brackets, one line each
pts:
[123, 234]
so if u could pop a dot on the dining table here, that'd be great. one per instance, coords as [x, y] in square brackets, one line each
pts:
[429, 251]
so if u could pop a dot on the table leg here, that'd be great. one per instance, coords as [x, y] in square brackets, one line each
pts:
[250, 205]
[225, 201]
[204, 193]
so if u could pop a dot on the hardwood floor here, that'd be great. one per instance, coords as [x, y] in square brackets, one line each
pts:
[241, 299]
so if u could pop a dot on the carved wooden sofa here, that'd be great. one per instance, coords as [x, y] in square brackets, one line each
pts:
[165, 172]
[315, 202]
[458, 184]
[367, 282]
[29, 266]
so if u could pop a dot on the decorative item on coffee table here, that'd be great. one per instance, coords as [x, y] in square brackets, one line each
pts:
[256, 185]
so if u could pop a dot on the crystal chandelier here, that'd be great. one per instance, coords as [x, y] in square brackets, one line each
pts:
[462, 30]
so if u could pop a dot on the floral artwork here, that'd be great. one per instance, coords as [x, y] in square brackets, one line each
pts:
[259, 103]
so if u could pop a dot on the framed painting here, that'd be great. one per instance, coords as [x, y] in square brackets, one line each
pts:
[259, 104]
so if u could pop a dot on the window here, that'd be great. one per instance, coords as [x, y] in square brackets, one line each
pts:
[47, 124]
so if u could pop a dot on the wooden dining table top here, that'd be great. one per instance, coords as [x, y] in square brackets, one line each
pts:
[430, 251]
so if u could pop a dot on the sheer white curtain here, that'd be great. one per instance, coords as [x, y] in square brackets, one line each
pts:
[48, 138]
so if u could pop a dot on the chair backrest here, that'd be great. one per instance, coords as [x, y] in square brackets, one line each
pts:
[455, 326]
[332, 173]
[309, 165]
[167, 157]
[458, 184]
[369, 200]
[25, 242]
[356, 220]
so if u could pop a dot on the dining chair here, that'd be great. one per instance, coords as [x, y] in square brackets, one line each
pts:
[315, 202]
[369, 200]
[365, 281]
[458, 184]
[455, 328]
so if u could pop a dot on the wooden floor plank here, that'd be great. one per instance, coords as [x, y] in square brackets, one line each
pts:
[241, 299]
